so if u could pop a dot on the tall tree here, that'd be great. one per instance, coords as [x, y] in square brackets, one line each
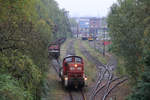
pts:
[129, 28]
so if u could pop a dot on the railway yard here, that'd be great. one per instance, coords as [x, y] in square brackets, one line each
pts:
[75, 50]
[102, 83]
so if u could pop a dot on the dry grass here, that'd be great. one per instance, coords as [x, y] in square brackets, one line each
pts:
[90, 68]
[55, 91]
[94, 52]
[63, 49]
[121, 92]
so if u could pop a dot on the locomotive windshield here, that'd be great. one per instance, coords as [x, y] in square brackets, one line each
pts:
[68, 59]
[78, 59]
[73, 59]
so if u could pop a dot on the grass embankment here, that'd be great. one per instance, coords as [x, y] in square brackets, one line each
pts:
[120, 70]
[120, 63]
[90, 69]
[63, 49]
[55, 91]
[120, 92]
[94, 52]
[124, 89]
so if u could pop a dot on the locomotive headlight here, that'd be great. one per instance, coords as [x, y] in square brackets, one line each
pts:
[79, 68]
[85, 78]
[75, 65]
[72, 68]
[66, 78]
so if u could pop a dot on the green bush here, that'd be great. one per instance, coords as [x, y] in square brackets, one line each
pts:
[142, 90]
[10, 89]
[129, 28]
[19, 70]
[26, 28]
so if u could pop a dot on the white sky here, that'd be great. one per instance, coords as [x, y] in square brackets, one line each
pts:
[82, 8]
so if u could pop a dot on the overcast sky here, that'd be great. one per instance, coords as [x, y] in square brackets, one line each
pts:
[82, 8]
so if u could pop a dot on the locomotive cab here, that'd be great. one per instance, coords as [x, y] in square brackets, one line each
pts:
[73, 71]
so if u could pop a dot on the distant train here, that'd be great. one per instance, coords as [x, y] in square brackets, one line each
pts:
[72, 72]
[54, 50]
[90, 38]
[84, 37]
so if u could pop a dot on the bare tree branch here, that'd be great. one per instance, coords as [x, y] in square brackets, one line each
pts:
[10, 47]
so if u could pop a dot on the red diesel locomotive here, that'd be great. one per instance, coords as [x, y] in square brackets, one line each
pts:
[72, 72]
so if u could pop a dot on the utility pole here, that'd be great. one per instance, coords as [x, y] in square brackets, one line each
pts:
[94, 39]
[104, 43]
[77, 30]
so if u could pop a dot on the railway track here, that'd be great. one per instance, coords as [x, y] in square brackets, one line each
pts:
[70, 48]
[73, 95]
[105, 80]
[54, 61]
[70, 95]
[89, 56]
[83, 95]
[56, 65]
